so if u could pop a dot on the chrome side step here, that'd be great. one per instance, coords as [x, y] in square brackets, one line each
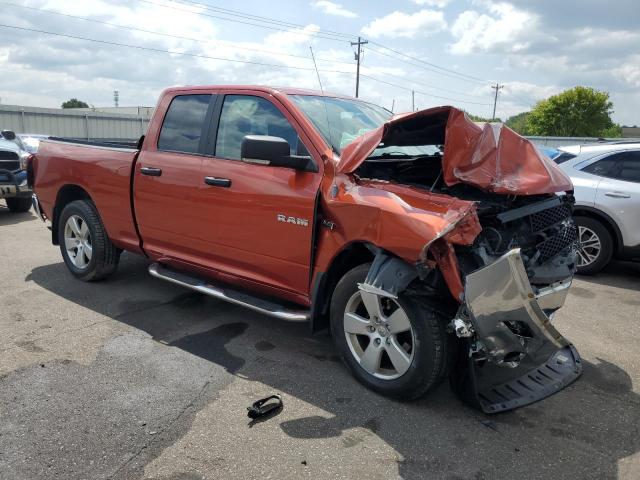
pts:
[265, 307]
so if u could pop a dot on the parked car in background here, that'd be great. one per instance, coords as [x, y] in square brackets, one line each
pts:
[13, 173]
[31, 141]
[606, 178]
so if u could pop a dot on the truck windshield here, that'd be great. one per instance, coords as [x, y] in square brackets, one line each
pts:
[340, 121]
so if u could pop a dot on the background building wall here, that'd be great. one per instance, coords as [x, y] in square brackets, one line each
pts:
[74, 123]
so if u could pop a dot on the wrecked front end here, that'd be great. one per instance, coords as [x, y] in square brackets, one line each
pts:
[519, 271]
[504, 248]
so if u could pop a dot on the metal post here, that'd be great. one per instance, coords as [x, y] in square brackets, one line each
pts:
[496, 87]
[86, 125]
[413, 101]
[359, 43]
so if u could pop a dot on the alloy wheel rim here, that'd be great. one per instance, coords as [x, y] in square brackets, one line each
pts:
[379, 334]
[589, 246]
[77, 241]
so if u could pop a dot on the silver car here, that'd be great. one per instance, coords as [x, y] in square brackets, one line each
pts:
[606, 178]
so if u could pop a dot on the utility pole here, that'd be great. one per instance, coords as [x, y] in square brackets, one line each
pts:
[393, 104]
[496, 87]
[359, 43]
[413, 101]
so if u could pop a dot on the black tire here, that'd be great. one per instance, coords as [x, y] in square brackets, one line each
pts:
[433, 347]
[18, 204]
[105, 256]
[606, 243]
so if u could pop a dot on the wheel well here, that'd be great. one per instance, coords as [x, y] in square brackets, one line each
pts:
[66, 195]
[606, 221]
[350, 257]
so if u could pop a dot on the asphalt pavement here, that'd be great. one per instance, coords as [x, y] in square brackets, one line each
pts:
[135, 378]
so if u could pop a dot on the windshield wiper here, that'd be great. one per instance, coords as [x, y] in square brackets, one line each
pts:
[392, 155]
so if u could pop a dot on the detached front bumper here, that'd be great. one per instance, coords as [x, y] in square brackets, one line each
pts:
[516, 355]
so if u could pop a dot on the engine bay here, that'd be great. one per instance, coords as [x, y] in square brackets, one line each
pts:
[540, 225]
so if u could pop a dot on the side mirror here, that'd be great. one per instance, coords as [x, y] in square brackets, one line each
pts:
[9, 134]
[273, 151]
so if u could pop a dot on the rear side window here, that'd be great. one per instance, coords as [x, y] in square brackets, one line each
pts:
[182, 127]
[630, 168]
[248, 115]
[620, 166]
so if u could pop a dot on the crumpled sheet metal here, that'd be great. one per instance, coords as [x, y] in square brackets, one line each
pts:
[398, 218]
[492, 157]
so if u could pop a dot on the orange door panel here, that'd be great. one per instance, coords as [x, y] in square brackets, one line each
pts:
[262, 215]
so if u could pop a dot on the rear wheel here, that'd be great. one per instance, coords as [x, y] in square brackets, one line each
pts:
[85, 246]
[397, 347]
[18, 204]
[595, 245]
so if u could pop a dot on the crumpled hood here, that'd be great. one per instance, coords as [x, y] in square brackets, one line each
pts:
[493, 157]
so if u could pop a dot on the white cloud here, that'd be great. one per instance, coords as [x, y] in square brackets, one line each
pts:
[399, 24]
[629, 72]
[507, 29]
[433, 3]
[331, 8]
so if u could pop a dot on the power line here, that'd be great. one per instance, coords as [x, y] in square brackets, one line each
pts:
[410, 80]
[153, 49]
[422, 93]
[168, 35]
[208, 57]
[288, 30]
[322, 34]
[259, 18]
[215, 42]
[464, 75]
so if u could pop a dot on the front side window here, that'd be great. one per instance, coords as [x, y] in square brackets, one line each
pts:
[248, 115]
[183, 124]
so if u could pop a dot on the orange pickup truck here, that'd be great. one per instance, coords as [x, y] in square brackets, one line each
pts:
[429, 245]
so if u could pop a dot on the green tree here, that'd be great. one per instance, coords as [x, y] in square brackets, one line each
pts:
[518, 123]
[74, 103]
[578, 112]
[614, 131]
[477, 118]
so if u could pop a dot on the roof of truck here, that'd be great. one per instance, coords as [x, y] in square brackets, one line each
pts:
[264, 88]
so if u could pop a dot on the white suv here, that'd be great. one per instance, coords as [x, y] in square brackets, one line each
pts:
[606, 178]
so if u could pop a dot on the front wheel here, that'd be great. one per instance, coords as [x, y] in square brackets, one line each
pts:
[18, 204]
[85, 246]
[397, 347]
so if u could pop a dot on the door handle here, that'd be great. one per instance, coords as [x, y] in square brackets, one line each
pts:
[151, 171]
[217, 182]
[617, 195]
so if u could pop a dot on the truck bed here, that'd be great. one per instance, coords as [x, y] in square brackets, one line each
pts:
[102, 170]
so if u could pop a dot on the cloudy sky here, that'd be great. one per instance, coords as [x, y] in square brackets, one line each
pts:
[447, 51]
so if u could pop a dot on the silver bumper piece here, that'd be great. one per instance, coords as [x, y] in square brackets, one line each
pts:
[516, 356]
[508, 317]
